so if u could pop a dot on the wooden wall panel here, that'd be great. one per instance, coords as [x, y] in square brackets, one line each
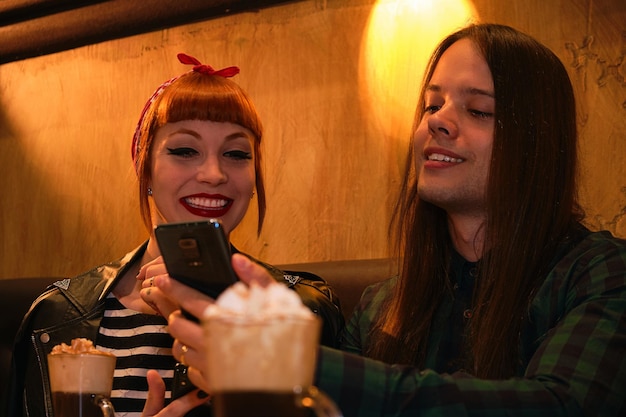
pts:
[68, 191]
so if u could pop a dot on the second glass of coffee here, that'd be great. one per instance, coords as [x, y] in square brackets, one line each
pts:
[263, 368]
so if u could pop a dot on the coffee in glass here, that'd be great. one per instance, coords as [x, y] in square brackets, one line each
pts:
[81, 380]
[261, 363]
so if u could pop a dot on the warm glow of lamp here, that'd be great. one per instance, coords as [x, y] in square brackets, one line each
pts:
[400, 36]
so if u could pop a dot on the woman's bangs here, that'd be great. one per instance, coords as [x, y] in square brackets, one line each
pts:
[219, 105]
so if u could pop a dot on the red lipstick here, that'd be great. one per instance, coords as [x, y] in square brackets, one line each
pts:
[207, 205]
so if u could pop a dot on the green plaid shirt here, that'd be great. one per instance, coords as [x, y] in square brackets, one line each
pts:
[575, 363]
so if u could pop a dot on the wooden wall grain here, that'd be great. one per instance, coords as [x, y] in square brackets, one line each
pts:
[68, 198]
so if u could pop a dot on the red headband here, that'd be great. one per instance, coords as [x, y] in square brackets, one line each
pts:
[198, 67]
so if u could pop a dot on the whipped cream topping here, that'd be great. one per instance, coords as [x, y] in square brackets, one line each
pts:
[258, 303]
[77, 346]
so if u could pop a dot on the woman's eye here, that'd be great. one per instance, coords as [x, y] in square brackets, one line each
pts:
[184, 152]
[238, 155]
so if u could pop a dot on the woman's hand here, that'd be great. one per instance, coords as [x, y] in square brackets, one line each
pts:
[159, 298]
[189, 344]
[152, 268]
[189, 348]
[147, 275]
[156, 399]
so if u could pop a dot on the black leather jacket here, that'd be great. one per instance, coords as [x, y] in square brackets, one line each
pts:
[74, 307]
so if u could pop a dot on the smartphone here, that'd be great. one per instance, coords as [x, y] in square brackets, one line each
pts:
[197, 254]
[181, 384]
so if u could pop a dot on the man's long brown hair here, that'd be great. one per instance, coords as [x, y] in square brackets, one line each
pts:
[531, 205]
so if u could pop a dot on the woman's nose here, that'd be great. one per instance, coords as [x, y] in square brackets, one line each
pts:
[444, 122]
[211, 172]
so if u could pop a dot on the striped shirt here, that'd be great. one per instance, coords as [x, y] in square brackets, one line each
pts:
[140, 342]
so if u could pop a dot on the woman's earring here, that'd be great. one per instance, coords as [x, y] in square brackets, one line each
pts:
[149, 191]
[252, 195]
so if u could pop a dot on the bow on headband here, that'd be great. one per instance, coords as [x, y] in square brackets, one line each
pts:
[198, 67]
[207, 69]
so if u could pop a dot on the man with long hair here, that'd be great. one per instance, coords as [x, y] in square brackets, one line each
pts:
[502, 295]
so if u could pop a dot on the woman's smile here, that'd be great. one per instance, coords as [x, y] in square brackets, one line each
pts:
[207, 205]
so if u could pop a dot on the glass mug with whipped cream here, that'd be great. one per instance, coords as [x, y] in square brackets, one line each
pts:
[81, 378]
[261, 348]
